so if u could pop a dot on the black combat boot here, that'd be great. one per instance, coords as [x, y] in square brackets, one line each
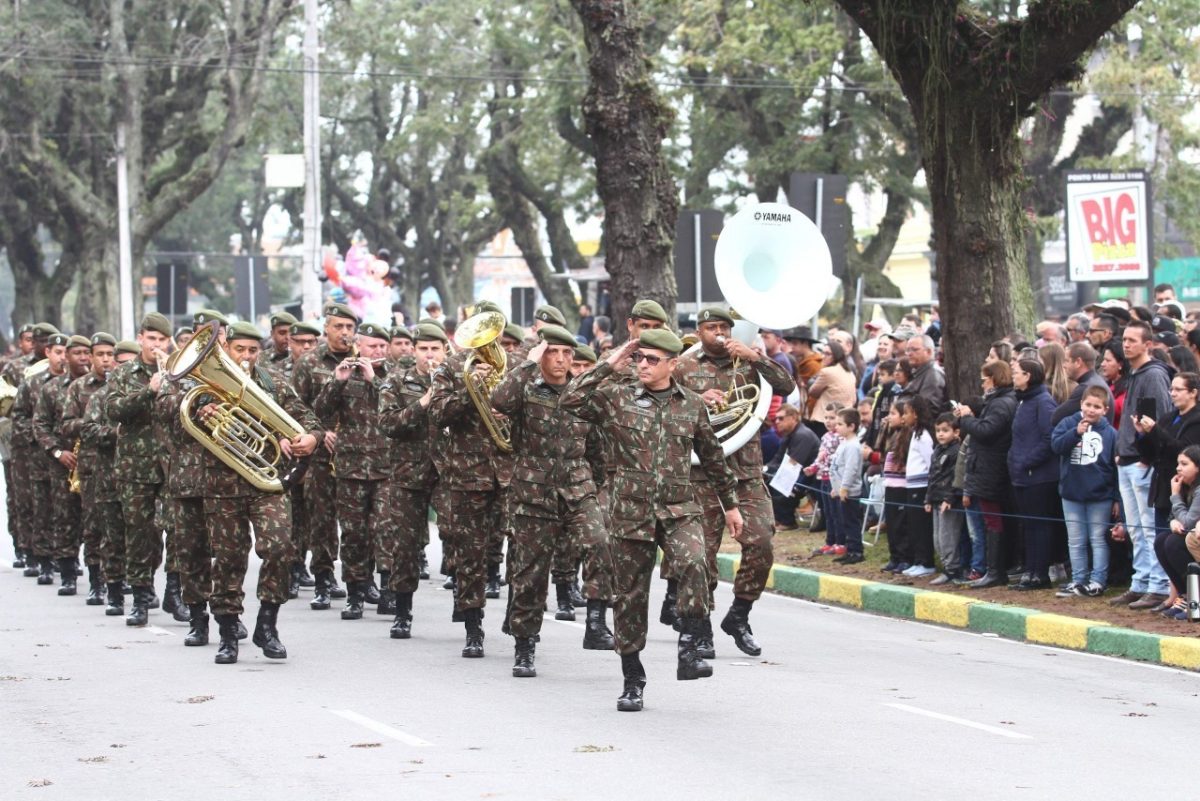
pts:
[691, 666]
[402, 625]
[705, 649]
[241, 630]
[33, 566]
[139, 613]
[596, 636]
[173, 597]
[370, 592]
[153, 602]
[995, 575]
[306, 579]
[566, 610]
[336, 592]
[424, 565]
[473, 649]
[116, 599]
[492, 590]
[577, 599]
[198, 633]
[451, 583]
[266, 635]
[737, 625]
[95, 586]
[635, 682]
[294, 582]
[523, 660]
[353, 610]
[387, 598]
[18, 559]
[46, 573]
[227, 650]
[321, 590]
[66, 568]
[669, 616]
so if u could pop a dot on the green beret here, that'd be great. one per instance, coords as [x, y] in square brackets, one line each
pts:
[57, 339]
[714, 314]
[101, 338]
[207, 316]
[661, 339]
[299, 329]
[42, 330]
[649, 310]
[514, 331]
[585, 354]
[487, 306]
[340, 310]
[244, 330]
[128, 346]
[184, 329]
[25, 329]
[374, 331]
[400, 332]
[156, 322]
[550, 314]
[79, 342]
[557, 335]
[431, 321]
[282, 318]
[431, 332]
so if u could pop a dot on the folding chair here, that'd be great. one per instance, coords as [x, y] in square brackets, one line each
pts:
[873, 499]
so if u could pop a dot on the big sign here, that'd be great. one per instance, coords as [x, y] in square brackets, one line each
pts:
[1108, 226]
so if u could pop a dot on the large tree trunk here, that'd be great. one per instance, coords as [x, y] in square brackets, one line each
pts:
[627, 122]
[98, 303]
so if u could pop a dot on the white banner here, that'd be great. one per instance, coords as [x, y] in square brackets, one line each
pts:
[1109, 222]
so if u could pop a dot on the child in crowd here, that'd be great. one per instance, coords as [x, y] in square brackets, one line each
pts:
[1185, 521]
[845, 484]
[883, 396]
[820, 470]
[943, 499]
[1087, 482]
[917, 417]
[894, 459]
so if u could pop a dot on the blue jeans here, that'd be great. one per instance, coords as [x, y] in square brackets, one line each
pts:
[978, 537]
[1087, 524]
[1148, 575]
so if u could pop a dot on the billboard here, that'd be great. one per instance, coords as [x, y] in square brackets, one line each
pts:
[1108, 218]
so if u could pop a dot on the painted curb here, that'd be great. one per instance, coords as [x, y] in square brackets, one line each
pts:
[965, 612]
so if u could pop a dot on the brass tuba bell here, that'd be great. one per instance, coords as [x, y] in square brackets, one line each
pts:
[245, 431]
[480, 333]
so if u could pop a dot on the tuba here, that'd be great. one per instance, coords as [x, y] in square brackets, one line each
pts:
[480, 333]
[766, 257]
[245, 431]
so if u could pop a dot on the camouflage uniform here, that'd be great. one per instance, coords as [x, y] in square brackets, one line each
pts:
[569, 554]
[553, 494]
[65, 507]
[79, 393]
[36, 480]
[12, 372]
[19, 466]
[282, 371]
[184, 463]
[475, 479]
[360, 464]
[651, 436]
[701, 372]
[99, 435]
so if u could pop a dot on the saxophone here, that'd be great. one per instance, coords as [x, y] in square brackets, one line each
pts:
[74, 484]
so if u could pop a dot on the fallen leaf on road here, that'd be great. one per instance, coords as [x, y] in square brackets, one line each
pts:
[317, 756]
[198, 699]
[93, 759]
[12, 678]
[765, 662]
[115, 647]
[594, 749]
[40, 783]
[1136, 715]
[117, 745]
[367, 745]
[1007, 723]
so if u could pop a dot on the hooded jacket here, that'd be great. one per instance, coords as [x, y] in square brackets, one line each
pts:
[1087, 471]
[1151, 380]
[1030, 460]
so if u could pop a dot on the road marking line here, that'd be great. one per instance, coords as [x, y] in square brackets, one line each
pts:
[960, 721]
[381, 728]
[158, 630]
[573, 623]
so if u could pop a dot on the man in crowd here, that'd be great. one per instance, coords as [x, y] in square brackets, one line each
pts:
[928, 380]
[798, 443]
[1102, 330]
[1077, 327]
[776, 349]
[281, 330]
[1081, 368]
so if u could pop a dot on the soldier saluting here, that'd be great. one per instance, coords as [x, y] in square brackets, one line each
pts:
[652, 427]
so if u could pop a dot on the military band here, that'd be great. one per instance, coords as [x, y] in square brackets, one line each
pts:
[542, 455]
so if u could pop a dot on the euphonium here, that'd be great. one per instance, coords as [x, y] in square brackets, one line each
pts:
[244, 432]
[481, 334]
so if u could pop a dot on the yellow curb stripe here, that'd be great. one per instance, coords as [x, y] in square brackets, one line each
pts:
[1060, 630]
[842, 590]
[1181, 652]
[944, 608]
[771, 578]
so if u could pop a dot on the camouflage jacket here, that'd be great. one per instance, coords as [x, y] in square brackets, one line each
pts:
[651, 438]
[22, 413]
[47, 425]
[79, 393]
[477, 463]
[182, 457]
[351, 407]
[130, 404]
[274, 357]
[549, 442]
[403, 419]
[99, 434]
[283, 370]
[221, 480]
[701, 372]
[309, 376]
[14, 369]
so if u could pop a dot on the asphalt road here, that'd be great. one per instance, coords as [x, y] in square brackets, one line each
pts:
[841, 705]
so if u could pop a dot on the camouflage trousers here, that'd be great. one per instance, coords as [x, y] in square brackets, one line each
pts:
[65, 517]
[682, 541]
[42, 511]
[91, 529]
[10, 503]
[112, 539]
[192, 548]
[473, 517]
[439, 499]
[758, 554]
[362, 510]
[143, 537]
[320, 505]
[229, 537]
[20, 522]
[535, 540]
[409, 513]
[300, 525]
[503, 529]
[594, 554]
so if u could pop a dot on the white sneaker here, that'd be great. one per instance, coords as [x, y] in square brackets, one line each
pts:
[920, 571]
[1069, 591]
[909, 570]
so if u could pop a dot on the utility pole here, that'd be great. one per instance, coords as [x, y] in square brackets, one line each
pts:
[310, 285]
[128, 313]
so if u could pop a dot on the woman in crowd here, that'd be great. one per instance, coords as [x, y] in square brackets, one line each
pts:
[1054, 360]
[1000, 351]
[917, 418]
[1033, 470]
[853, 360]
[1183, 359]
[834, 384]
[1172, 548]
[1115, 370]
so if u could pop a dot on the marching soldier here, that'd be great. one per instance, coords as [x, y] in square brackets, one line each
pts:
[723, 362]
[512, 338]
[312, 372]
[45, 464]
[652, 428]
[400, 351]
[281, 332]
[350, 405]
[404, 416]
[553, 495]
[24, 356]
[183, 335]
[26, 458]
[232, 504]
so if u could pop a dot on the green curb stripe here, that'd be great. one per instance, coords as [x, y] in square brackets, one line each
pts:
[1124, 642]
[725, 566]
[1007, 621]
[890, 600]
[797, 581]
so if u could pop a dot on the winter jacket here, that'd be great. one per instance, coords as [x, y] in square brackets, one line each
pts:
[1151, 380]
[991, 436]
[845, 468]
[1186, 511]
[941, 477]
[1071, 405]
[1087, 469]
[1030, 460]
[1161, 448]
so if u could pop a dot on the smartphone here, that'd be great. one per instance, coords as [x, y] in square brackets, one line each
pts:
[1146, 408]
[953, 404]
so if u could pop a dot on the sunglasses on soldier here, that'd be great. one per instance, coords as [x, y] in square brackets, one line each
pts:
[639, 357]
